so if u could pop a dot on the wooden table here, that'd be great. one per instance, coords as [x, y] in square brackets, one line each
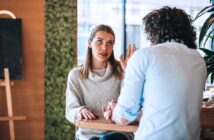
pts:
[102, 124]
[206, 118]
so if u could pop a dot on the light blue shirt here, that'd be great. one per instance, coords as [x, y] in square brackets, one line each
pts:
[168, 81]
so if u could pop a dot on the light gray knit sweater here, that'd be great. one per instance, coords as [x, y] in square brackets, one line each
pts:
[94, 92]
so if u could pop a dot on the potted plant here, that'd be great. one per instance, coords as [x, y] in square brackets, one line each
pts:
[207, 33]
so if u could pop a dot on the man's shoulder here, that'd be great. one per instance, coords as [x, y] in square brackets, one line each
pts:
[143, 52]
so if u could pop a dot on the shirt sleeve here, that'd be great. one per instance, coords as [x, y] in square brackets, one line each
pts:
[131, 97]
[73, 100]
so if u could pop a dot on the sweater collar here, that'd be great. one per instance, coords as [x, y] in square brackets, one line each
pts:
[98, 76]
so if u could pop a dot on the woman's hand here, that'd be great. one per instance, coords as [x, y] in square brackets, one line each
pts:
[123, 62]
[85, 113]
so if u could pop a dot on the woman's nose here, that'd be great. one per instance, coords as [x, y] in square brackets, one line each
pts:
[104, 46]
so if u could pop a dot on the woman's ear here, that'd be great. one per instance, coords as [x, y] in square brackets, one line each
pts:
[89, 44]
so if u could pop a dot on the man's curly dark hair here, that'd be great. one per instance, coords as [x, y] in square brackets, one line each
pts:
[167, 24]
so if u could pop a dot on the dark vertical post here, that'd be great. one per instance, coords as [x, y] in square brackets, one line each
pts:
[212, 43]
[123, 28]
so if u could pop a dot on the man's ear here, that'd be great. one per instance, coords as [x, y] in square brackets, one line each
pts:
[89, 44]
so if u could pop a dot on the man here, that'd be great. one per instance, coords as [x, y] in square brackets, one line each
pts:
[166, 79]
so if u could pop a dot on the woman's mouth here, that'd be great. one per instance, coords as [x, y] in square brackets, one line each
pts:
[103, 54]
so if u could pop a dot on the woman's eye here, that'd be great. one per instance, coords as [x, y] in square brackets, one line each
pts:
[110, 43]
[99, 42]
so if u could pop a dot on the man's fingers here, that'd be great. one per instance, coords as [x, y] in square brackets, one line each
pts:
[113, 101]
[109, 116]
[112, 104]
[123, 121]
[108, 106]
[103, 109]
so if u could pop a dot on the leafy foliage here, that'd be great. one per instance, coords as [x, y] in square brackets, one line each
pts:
[207, 32]
[209, 58]
[204, 35]
[60, 57]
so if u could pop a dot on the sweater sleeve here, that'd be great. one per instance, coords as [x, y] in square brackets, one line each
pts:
[73, 100]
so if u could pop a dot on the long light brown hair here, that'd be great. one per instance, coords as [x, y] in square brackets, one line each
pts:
[87, 66]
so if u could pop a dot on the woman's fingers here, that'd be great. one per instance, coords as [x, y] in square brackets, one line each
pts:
[81, 116]
[122, 62]
[128, 50]
[87, 114]
[133, 49]
[92, 116]
[84, 115]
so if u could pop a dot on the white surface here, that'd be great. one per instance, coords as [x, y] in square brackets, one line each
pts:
[208, 94]
[192, 3]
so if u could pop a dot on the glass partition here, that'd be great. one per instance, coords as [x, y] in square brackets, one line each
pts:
[110, 12]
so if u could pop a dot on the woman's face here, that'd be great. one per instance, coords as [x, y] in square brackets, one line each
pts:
[102, 47]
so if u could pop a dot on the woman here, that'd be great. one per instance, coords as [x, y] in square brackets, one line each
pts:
[97, 81]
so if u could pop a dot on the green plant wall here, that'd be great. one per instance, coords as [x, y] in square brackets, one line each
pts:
[60, 57]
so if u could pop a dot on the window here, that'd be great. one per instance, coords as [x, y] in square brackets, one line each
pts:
[94, 12]
[114, 12]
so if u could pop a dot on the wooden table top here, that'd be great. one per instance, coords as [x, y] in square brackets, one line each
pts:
[102, 124]
[206, 118]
